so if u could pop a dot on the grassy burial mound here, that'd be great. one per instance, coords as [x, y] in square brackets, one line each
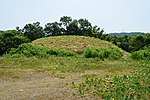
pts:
[73, 43]
[91, 47]
[70, 46]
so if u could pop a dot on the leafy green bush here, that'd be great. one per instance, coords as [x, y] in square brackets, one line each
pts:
[29, 50]
[141, 54]
[111, 53]
[10, 39]
[126, 87]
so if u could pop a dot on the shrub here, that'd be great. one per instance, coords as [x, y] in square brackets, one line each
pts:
[143, 54]
[111, 53]
[28, 50]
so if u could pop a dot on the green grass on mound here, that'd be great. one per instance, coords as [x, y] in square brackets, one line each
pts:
[73, 43]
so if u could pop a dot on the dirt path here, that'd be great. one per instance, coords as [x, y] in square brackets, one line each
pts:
[43, 87]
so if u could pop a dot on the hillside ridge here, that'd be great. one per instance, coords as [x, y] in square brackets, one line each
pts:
[73, 43]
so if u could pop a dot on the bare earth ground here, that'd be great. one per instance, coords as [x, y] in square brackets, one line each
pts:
[44, 87]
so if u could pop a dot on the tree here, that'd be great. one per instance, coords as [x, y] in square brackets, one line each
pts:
[53, 29]
[147, 41]
[97, 32]
[11, 39]
[85, 27]
[137, 42]
[72, 28]
[65, 20]
[33, 31]
[124, 43]
[18, 29]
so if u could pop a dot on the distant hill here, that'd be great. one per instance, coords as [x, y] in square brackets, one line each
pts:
[73, 43]
[125, 33]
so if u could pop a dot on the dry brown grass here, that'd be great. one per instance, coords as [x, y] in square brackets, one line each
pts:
[74, 43]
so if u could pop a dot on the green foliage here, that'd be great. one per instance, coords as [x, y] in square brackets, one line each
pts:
[33, 31]
[85, 27]
[126, 87]
[130, 43]
[66, 26]
[69, 26]
[143, 54]
[53, 29]
[72, 28]
[10, 39]
[97, 32]
[65, 20]
[111, 53]
[28, 50]
[138, 41]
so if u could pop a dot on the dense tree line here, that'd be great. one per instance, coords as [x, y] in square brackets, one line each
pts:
[68, 26]
[130, 43]
[125, 33]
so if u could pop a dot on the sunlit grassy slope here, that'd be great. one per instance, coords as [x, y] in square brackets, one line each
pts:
[74, 43]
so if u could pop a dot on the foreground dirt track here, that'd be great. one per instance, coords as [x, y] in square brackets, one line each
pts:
[43, 87]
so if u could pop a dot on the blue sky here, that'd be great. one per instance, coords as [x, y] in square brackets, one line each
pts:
[112, 15]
